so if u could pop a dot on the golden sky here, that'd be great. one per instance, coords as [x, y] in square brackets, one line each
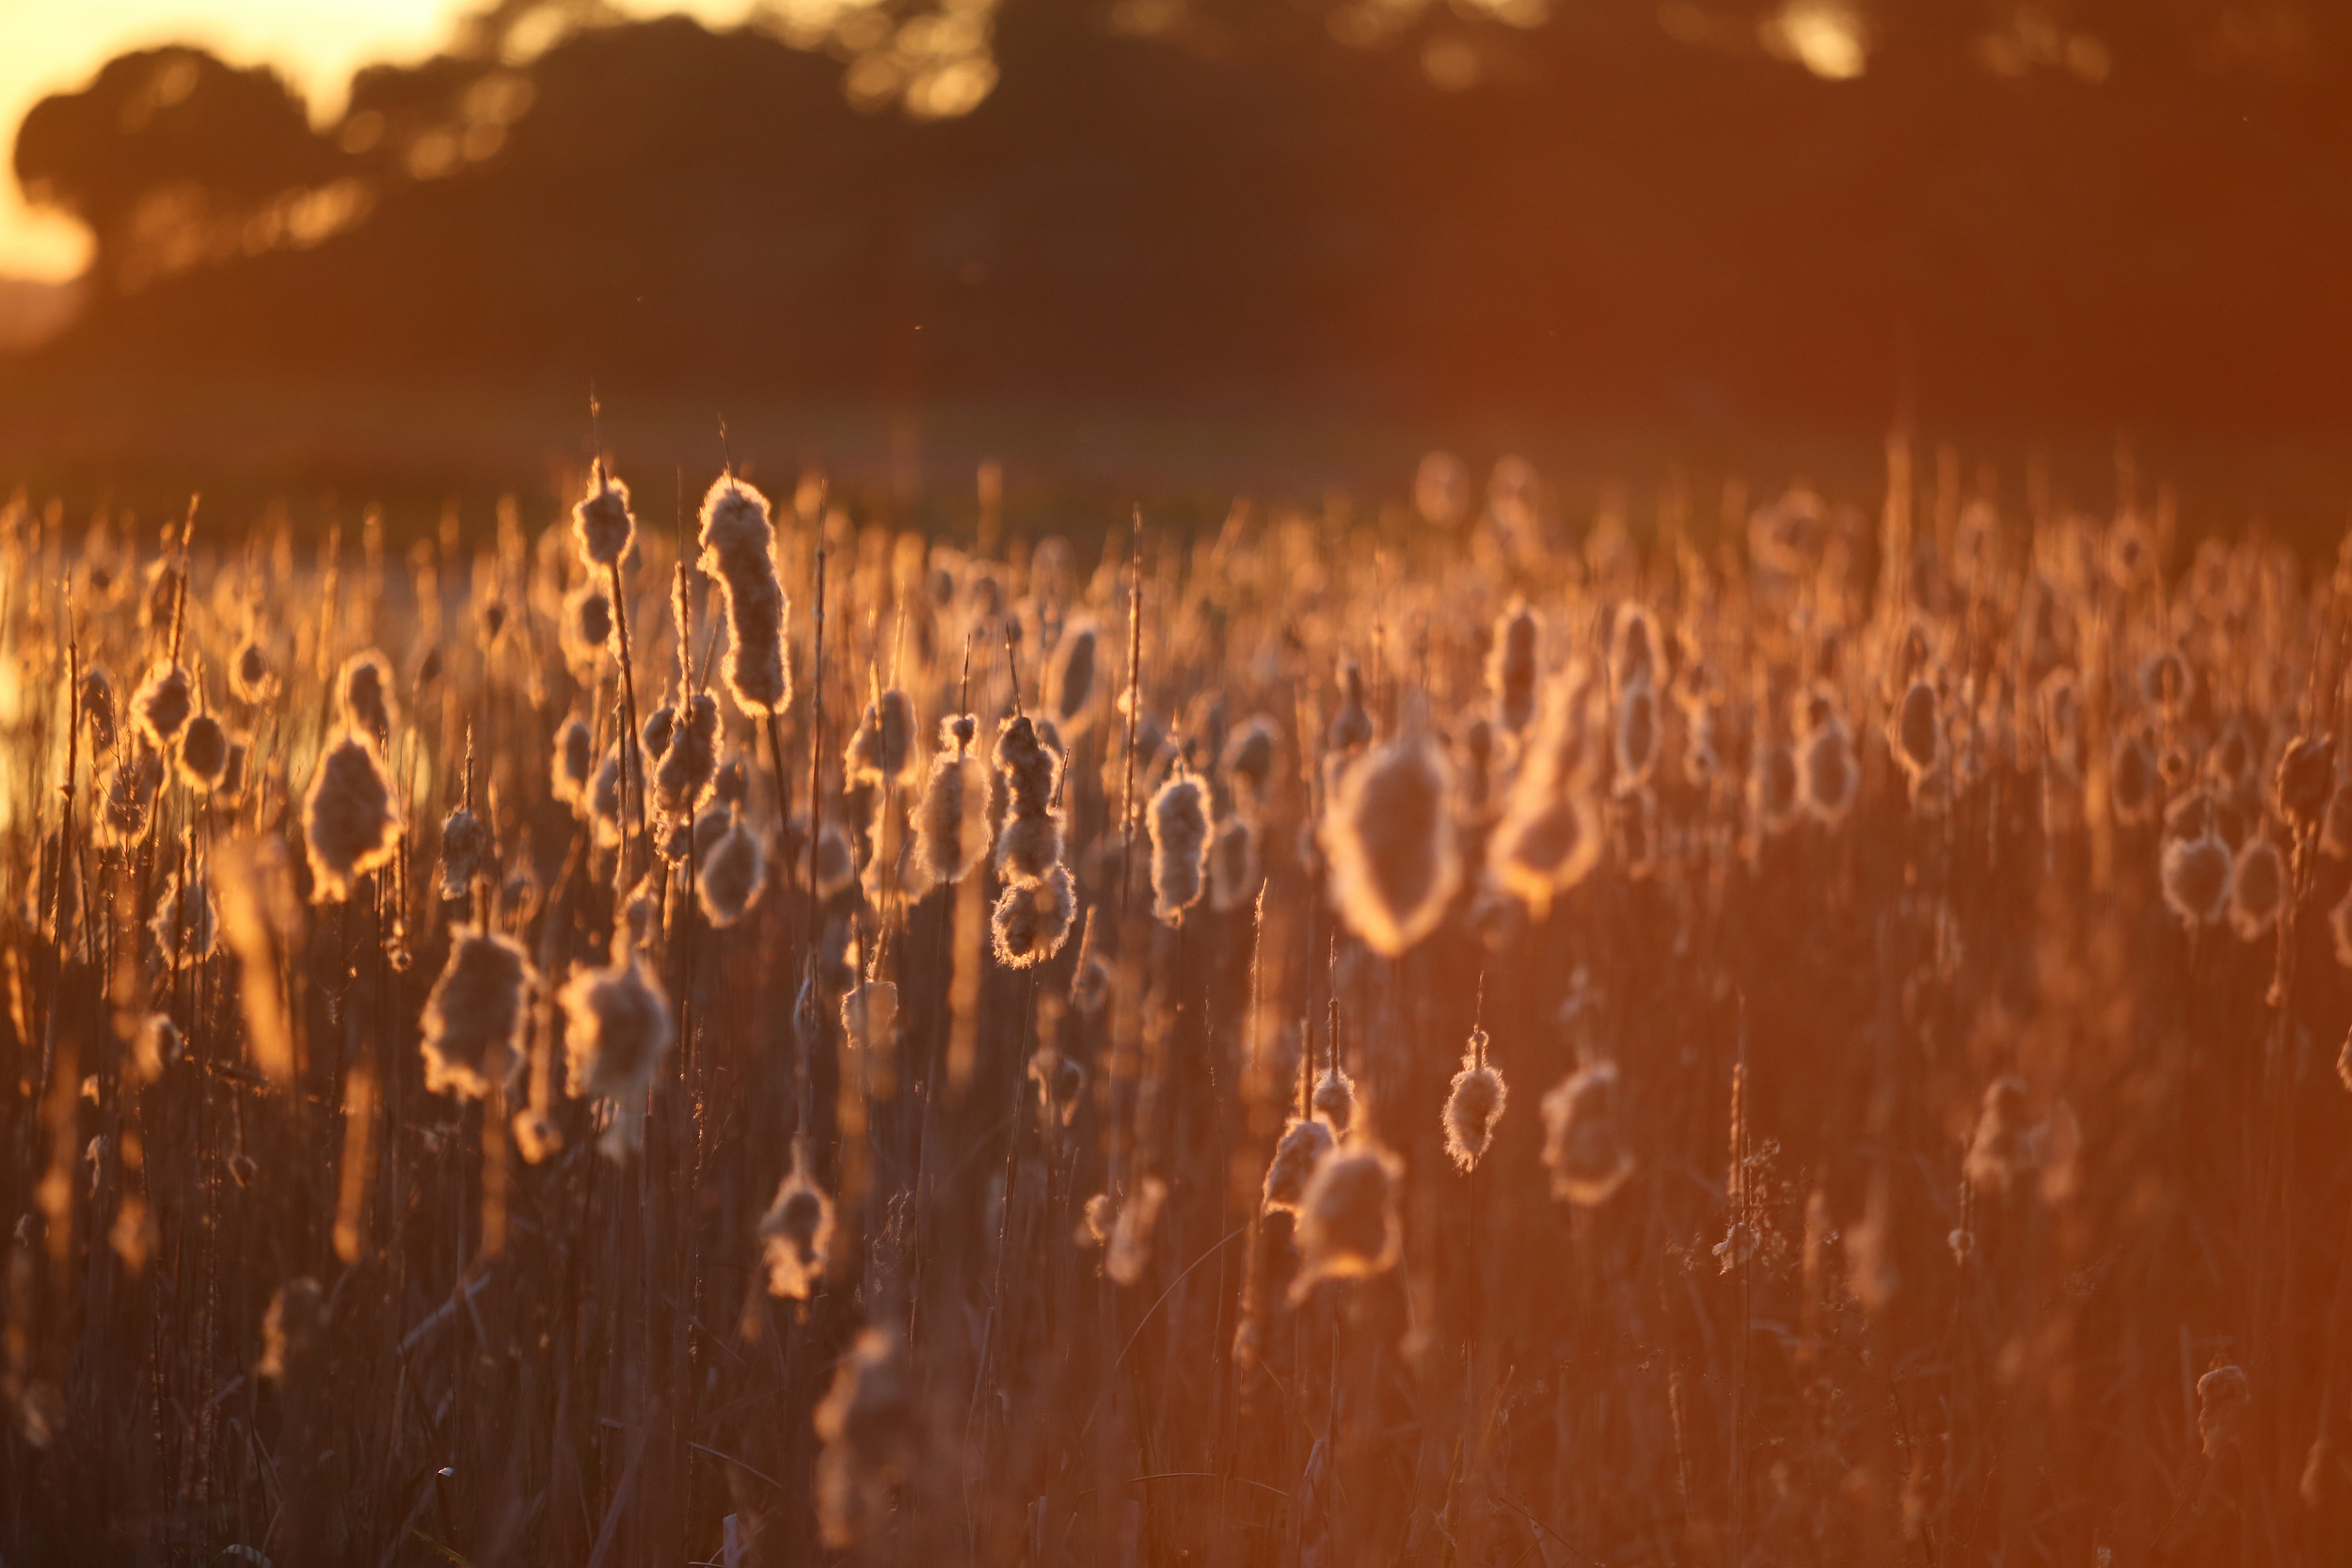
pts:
[51, 45]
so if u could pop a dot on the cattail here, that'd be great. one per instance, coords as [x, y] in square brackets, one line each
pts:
[1030, 845]
[796, 1233]
[2232, 763]
[1511, 667]
[1390, 839]
[2223, 1395]
[1334, 1098]
[1095, 1220]
[2134, 782]
[2195, 875]
[604, 798]
[294, 1329]
[872, 1434]
[573, 769]
[616, 1029]
[184, 926]
[1060, 1082]
[1032, 919]
[1773, 789]
[161, 704]
[1828, 775]
[602, 524]
[1347, 1225]
[252, 678]
[732, 783]
[350, 823]
[585, 630]
[1179, 824]
[1581, 1147]
[1130, 1250]
[1070, 681]
[2063, 726]
[127, 796]
[1351, 726]
[2258, 888]
[690, 760]
[738, 549]
[950, 827]
[466, 853]
[734, 873]
[2166, 683]
[1633, 646]
[364, 693]
[474, 1017]
[1636, 736]
[97, 702]
[2306, 781]
[1999, 1153]
[1916, 734]
[1248, 760]
[1234, 872]
[1475, 1106]
[1303, 1143]
[836, 860]
[156, 1046]
[204, 753]
[882, 748]
[655, 733]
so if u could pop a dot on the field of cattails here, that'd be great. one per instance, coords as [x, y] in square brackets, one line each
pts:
[1800, 1030]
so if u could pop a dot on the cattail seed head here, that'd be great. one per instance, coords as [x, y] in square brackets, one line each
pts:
[1179, 823]
[2306, 781]
[1348, 1227]
[1029, 767]
[1581, 1145]
[293, 1329]
[586, 632]
[363, 691]
[2134, 785]
[1829, 777]
[733, 874]
[161, 704]
[1334, 1098]
[573, 769]
[350, 823]
[1474, 1106]
[1130, 1250]
[692, 757]
[1248, 760]
[602, 524]
[1637, 736]
[655, 733]
[739, 549]
[466, 853]
[951, 823]
[473, 1019]
[2196, 874]
[2223, 1395]
[1234, 870]
[97, 702]
[1391, 840]
[184, 926]
[1071, 685]
[882, 748]
[1774, 788]
[1917, 734]
[203, 753]
[604, 798]
[616, 1029]
[873, 1436]
[1303, 1143]
[127, 796]
[252, 678]
[1351, 726]
[1032, 919]
[1511, 667]
[2258, 888]
[796, 1232]
[2166, 683]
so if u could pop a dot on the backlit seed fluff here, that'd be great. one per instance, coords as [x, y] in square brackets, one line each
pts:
[1351, 726]
[251, 675]
[161, 704]
[604, 798]
[951, 823]
[1032, 919]
[184, 926]
[1250, 758]
[872, 1431]
[1548, 841]
[1511, 668]
[1130, 1250]
[203, 751]
[2258, 888]
[1773, 789]
[1347, 1225]
[2195, 875]
[1303, 1143]
[1334, 1098]
[2306, 781]
[1070, 684]
[1581, 1145]
[465, 852]
[796, 1232]
[1179, 824]
[1915, 736]
[126, 797]
[616, 1029]
[655, 733]
[882, 748]
[474, 1017]
[2134, 787]
[1829, 777]
[602, 524]
[732, 783]
[739, 549]
[350, 824]
[1473, 1106]
[1633, 646]
[97, 701]
[1234, 872]
[1030, 767]
[363, 692]
[1637, 735]
[1390, 843]
[734, 873]
[684, 775]
[585, 630]
[573, 765]
[2223, 1395]
[2166, 683]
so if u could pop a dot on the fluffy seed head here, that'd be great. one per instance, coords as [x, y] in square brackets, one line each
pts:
[1032, 919]
[2306, 781]
[1069, 680]
[1637, 735]
[2135, 786]
[97, 702]
[465, 852]
[1234, 870]
[1511, 668]
[1130, 1250]
[1829, 777]
[350, 824]
[739, 549]
[873, 1436]
[1347, 1225]
[1917, 734]
[161, 704]
[586, 628]
[473, 1017]
[184, 926]
[127, 796]
[203, 751]
[684, 776]
[616, 1029]
[1351, 726]
[1249, 761]
[601, 523]
[796, 1233]
[2258, 888]
[2196, 877]
[1581, 1147]
[574, 765]
[950, 824]
[1334, 1098]
[1303, 1143]
[2222, 1397]
[882, 748]
[1029, 768]
[1390, 839]
[1179, 822]
[251, 675]
[1474, 1106]
[734, 873]
[364, 693]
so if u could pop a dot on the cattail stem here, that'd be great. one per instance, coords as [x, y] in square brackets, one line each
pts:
[629, 697]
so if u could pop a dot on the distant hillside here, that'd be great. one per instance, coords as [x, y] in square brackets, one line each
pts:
[1617, 220]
